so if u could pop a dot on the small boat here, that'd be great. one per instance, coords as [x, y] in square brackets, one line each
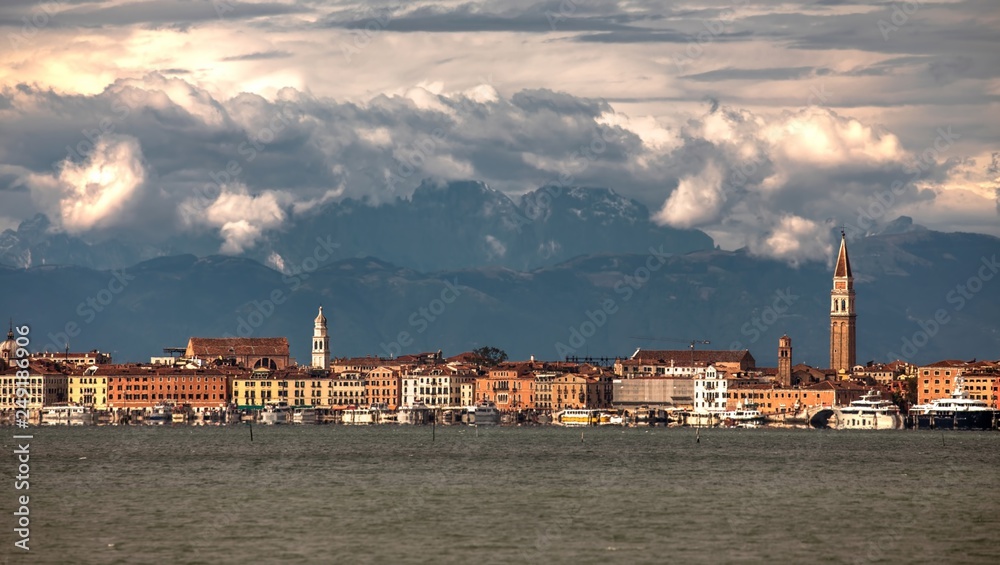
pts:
[486, 414]
[304, 415]
[160, 414]
[68, 415]
[745, 416]
[275, 413]
[871, 412]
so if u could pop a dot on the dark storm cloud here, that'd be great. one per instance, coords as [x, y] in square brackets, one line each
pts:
[657, 36]
[152, 13]
[259, 56]
[775, 73]
[545, 17]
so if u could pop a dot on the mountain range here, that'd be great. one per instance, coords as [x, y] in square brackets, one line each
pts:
[440, 226]
[921, 295]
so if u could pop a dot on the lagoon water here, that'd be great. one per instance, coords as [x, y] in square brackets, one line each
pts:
[337, 494]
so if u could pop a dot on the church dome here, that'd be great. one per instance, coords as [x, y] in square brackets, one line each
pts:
[320, 318]
[8, 347]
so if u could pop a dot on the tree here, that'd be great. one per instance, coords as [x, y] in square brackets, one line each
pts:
[488, 356]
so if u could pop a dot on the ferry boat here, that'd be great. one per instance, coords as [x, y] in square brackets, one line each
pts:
[67, 415]
[745, 416]
[956, 413]
[486, 414]
[871, 412]
[575, 417]
[275, 413]
[161, 413]
[304, 415]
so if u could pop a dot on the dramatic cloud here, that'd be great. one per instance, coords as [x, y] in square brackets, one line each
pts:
[762, 124]
[94, 194]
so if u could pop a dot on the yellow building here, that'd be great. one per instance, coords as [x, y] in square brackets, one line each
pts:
[89, 390]
[299, 388]
[44, 386]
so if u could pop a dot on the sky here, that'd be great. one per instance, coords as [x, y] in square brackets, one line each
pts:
[765, 124]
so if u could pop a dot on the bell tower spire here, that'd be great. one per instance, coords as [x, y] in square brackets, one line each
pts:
[321, 342]
[842, 314]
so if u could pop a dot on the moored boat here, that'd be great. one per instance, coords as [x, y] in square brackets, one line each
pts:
[159, 414]
[958, 412]
[486, 414]
[744, 416]
[870, 412]
[304, 415]
[275, 413]
[68, 415]
[576, 417]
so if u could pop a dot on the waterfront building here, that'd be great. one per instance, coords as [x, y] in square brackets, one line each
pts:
[771, 399]
[134, 387]
[543, 390]
[348, 389]
[296, 387]
[510, 386]
[710, 391]
[683, 362]
[843, 317]
[320, 343]
[436, 387]
[937, 380]
[658, 392]
[383, 385]
[45, 385]
[574, 390]
[86, 388]
[269, 353]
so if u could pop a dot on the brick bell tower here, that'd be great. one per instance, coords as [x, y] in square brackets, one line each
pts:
[842, 314]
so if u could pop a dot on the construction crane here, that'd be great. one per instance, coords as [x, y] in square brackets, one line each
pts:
[691, 343]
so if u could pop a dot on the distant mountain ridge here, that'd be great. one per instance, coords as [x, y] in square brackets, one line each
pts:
[450, 226]
[591, 304]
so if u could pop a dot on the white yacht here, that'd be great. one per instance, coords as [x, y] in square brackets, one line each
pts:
[416, 414]
[486, 414]
[959, 412]
[304, 415]
[745, 416]
[67, 415]
[276, 413]
[364, 416]
[871, 412]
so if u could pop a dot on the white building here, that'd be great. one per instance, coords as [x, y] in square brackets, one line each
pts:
[710, 391]
[321, 343]
[438, 389]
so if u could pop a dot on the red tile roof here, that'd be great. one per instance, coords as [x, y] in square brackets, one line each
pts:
[210, 347]
[684, 357]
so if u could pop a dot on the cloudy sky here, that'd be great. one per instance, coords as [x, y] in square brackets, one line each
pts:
[762, 123]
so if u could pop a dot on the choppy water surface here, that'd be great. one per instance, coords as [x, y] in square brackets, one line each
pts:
[390, 494]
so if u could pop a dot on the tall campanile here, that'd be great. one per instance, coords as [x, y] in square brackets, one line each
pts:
[321, 342]
[842, 314]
